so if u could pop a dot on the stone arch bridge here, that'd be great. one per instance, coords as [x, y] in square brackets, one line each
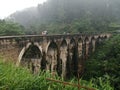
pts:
[62, 54]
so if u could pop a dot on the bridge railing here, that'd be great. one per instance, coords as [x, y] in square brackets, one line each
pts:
[55, 35]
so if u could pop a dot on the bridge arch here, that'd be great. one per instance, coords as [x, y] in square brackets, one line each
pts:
[31, 56]
[64, 57]
[80, 48]
[24, 50]
[22, 53]
[52, 57]
[98, 40]
[105, 36]
[72, 57]
[72, 42]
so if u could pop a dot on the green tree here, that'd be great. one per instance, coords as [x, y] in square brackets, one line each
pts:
[10, 28]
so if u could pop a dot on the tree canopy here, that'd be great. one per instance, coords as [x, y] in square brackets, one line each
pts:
[72, 15]
[10, 28]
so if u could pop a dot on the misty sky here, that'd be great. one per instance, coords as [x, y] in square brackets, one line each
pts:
[8, 7]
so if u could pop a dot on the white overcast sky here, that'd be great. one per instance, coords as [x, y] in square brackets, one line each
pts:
[8, 7]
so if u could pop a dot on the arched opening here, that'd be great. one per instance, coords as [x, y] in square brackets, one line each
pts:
[51, 57]
[64, 57]
[105, 37]
[98, 41]
[32, 58]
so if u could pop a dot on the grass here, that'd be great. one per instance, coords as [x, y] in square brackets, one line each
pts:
[18, 78]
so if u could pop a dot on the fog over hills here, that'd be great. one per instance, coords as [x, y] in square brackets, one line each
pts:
[87, 14]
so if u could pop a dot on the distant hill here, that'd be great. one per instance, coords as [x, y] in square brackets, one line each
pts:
[58, 16]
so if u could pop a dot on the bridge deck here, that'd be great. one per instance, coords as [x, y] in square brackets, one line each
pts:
[55, 35]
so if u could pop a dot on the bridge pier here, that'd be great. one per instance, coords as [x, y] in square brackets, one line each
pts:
[72, 60]
[80, 56]
[93, 41]
[51, 57]
[63, 57]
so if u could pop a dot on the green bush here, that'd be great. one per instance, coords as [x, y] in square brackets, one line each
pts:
[106, 60]
[18, 78]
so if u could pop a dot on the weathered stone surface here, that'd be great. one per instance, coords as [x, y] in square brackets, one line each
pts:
[57, 49]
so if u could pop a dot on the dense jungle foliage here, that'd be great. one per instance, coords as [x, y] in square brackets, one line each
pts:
[106, 61]
[73, 16]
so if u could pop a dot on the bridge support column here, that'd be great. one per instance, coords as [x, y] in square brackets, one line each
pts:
[72, 57]
[36, 65]
[71, 63]
[51, 60]
[80, 57]
[87, 48]
[93, 45]
[63, 57]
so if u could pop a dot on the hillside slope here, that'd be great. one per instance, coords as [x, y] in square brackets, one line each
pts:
[58, 16]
